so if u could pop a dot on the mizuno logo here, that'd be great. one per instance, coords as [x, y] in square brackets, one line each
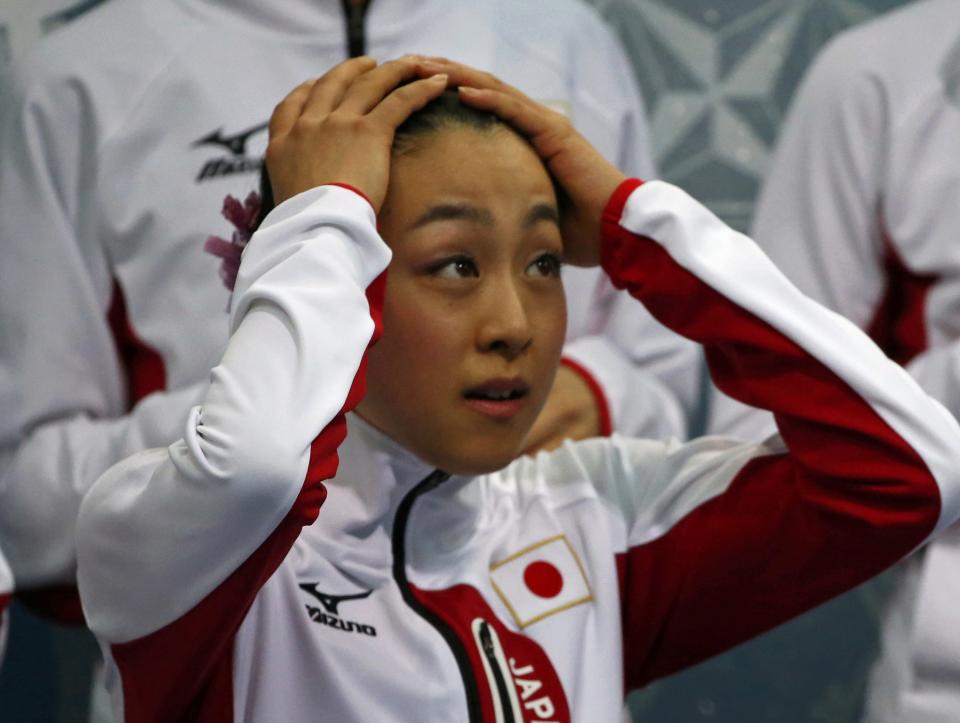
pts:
[236, 144]
[331, 603]
[238, 161]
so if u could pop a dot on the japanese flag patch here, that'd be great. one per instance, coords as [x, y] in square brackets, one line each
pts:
[540, 580]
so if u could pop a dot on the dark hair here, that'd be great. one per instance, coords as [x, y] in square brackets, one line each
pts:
[445, 112]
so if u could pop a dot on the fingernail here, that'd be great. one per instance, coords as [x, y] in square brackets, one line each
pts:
[439, 77]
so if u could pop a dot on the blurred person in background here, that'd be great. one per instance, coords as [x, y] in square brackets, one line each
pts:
[127, 129]
[861, 210]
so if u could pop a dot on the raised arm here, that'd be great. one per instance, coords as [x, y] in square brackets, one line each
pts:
[174, 544]
[735, 540]
[724, 541]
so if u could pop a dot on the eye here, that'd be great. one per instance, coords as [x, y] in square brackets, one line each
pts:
[546, 265]
[455, 267]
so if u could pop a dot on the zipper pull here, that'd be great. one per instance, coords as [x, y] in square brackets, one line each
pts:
[355, 11]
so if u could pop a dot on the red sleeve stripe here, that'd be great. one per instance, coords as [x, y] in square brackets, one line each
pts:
[792, 530]
[724, 260]
[603, 406]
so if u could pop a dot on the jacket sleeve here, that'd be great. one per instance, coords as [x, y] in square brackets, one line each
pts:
[174, 544]
[725, 540]
[644, 375]
[938, 372]
[65, 416]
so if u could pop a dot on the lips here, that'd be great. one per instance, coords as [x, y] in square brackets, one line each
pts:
[498, 398]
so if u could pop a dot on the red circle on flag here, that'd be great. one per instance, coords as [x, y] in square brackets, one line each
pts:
[543, 579]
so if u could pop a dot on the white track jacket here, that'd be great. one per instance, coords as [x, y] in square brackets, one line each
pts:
[129, 128]
[264, 569]
[862, 211]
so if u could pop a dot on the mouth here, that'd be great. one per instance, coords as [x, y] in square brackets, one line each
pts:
[498, 398]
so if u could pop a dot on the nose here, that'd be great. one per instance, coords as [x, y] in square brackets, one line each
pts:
[505, 326]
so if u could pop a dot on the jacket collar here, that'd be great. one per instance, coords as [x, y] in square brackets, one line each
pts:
[355, 525]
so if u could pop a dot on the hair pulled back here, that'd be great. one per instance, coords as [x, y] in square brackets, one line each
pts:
[445, 112]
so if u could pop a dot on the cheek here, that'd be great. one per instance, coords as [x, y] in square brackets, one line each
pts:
[549, 317]
[421, 343]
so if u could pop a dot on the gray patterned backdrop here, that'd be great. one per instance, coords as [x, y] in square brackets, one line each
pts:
[717, 76]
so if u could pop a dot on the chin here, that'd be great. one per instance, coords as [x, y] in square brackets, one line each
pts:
[473, 459]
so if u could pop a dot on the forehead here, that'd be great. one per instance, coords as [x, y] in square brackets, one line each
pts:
[497, 171]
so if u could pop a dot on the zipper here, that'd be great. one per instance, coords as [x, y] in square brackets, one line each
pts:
[506, 707]
[355, 12]
[399, 545]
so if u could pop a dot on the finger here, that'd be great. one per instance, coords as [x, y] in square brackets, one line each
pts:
[461, 74]
[397, 107]
[328, 93]
[365, 94]
[289, 109]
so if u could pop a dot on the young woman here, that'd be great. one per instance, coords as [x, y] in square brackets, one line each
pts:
[443, 581]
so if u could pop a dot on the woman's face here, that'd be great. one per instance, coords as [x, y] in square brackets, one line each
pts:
[474, 316]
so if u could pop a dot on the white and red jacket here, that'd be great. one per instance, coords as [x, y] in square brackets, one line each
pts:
[861, 210]
[263, 569]
[116, 160]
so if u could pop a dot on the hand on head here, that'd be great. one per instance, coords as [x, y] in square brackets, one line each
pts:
[340, 127]
[586, 178]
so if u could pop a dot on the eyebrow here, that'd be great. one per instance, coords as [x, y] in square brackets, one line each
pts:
[466, 212]
[455, 212]
[541, 212]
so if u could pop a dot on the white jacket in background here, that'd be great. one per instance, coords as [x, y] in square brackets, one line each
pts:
[861, 210]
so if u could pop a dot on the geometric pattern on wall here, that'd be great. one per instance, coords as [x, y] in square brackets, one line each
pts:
[718, 77]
